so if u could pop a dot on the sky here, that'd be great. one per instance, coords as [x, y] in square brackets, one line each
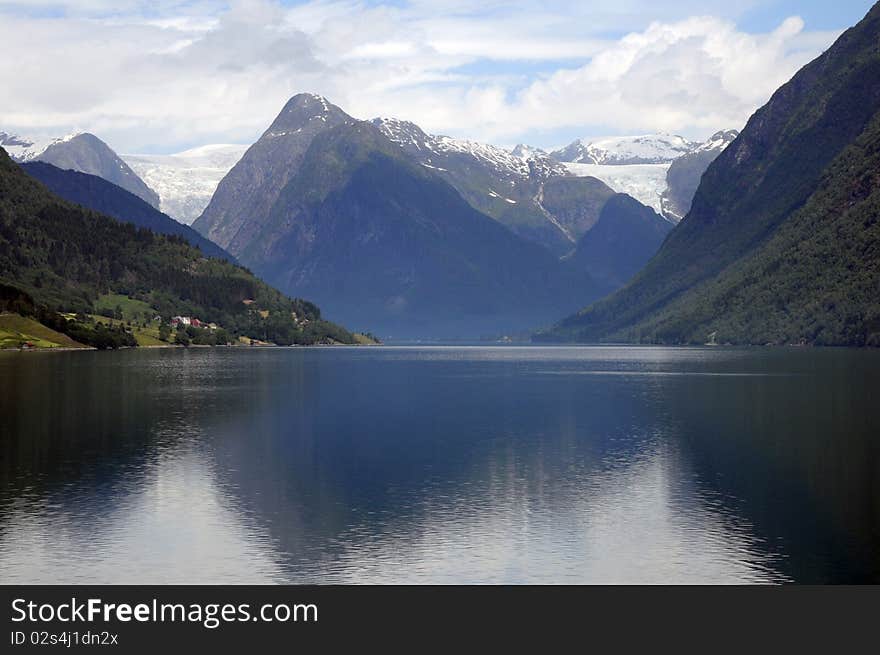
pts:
[161, 76]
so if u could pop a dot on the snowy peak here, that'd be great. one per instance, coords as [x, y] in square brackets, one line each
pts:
[626, 150]
[27, 148]
[403, 133]
[527, 152]
[310, 102]
[718, 141]
[497, 158]
[245, 195]
[79, 151]
[432, 150]
[302, 110]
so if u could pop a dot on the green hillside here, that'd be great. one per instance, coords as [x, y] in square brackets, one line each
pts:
[17, 331]
[68, 259]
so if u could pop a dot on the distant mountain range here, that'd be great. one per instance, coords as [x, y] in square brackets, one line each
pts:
[450, 237]
[414, 234]
[182, 184]
[533, 196]
[782, 241]
[81, 152]
[661, 171]
[626, 150]
[185, 181]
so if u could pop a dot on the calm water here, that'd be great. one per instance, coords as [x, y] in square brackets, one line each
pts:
[440, 465]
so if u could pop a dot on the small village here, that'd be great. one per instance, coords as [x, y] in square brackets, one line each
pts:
[189, 321]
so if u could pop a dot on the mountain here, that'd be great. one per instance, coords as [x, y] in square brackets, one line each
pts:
[98, 194]
[524, 194]
[240, 206]
[59, 257]
[781, 243]
[527, 152]
[625, 150]
[81, 152]
[185, 181]
[451, 237]
[626, 236]
[381, 240]
[663, 178]
[684, 174]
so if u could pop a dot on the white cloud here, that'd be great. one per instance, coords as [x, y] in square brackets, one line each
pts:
[697, 74]
[159, 76]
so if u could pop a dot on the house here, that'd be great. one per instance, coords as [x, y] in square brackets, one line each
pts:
[180, 320]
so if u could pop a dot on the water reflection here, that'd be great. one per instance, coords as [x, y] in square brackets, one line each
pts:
[174, 525]
[439, 465]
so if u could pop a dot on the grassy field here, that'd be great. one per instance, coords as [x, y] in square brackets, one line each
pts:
[145, 336]
[17, 330]
[132, 310]
[148, 336]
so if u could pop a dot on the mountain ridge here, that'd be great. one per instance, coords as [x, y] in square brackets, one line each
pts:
[82, 152]
[660, 148]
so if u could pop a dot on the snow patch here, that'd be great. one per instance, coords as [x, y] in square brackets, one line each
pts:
[186, 181]
[644, 182]
[409, 135]
[500, 197]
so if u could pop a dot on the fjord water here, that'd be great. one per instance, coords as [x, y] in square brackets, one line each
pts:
[440, 464]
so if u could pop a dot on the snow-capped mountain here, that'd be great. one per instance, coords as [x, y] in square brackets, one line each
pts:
[665, 178]
[534, 195]
[685, 173]
[82, 152]
[626, 150]
[242, 203]
[718, 142]
[435, 148]
[526, 152]
[389, 226]
[28, 148]
[185, 181]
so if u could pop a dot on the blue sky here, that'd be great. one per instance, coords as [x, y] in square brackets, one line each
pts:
[165, 75]
[828, 15]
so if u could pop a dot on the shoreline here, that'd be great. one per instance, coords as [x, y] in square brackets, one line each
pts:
[172, 346]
